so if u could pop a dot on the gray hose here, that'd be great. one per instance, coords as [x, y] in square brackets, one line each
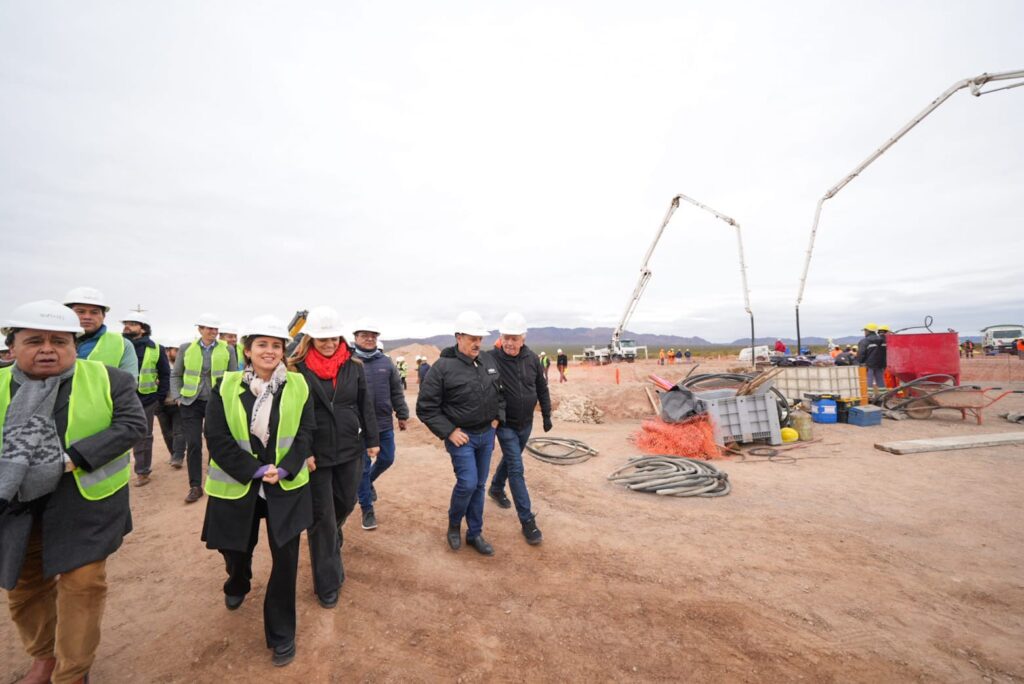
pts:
[566, 451]
[671, 476]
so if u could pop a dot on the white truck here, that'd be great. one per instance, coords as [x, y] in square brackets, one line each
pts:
[1001, 338]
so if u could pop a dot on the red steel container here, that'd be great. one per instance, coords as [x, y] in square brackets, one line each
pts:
[911, 355]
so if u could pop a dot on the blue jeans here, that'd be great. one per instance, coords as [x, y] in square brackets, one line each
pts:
[512, 443]
[370, 473]
[472, 465]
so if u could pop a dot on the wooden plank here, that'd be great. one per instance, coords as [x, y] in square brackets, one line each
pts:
[918, 446]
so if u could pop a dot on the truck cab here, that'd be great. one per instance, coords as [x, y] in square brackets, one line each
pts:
[1001, 338]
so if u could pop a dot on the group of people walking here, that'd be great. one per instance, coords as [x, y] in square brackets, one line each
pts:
[296, 438]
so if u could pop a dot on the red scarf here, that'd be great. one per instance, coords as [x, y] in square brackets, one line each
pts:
[326, 367]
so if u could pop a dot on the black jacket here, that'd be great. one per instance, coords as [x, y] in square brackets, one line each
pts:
[871, 351]
[163, 371]
[76, 531]
[228, 522]
[460, 392]
[386, 389]
[523, 383]
[345, 421]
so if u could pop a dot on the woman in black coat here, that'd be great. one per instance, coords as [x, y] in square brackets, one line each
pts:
[271, 410]
[346, 427]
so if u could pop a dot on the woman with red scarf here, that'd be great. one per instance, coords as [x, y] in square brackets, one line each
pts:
[345, 427]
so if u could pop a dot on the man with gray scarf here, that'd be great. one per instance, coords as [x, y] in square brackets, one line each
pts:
[66, 427]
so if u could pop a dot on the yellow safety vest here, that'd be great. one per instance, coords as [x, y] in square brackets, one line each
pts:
[147, 372]
[90, 411]
[109, 350]
[221, 485]
[219, 359]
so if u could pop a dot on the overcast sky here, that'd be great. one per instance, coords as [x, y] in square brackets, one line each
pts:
[410, 160]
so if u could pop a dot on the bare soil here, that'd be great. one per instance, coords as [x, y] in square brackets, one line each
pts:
[848, 565]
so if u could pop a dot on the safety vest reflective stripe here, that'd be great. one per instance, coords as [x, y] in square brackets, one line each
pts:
[219, 359]
[90, 411]
[147, 372]
[109, 349]
[220, 484]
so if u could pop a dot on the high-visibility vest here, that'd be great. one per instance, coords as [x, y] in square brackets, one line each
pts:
[219, 358]
[221, 485]
[147, 371]
[90, 411]
[239, 356]
[402, 369]
[109, 350]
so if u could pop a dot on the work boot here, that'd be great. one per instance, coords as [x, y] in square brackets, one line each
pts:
[454, 538]
[194, 494]
[40, 671]
[530, 531]
[176, 463]
[233, 602]
[328, 600]
[499, 497]
[369, 520]
[481, 545]
[142, 479]
[283, 654]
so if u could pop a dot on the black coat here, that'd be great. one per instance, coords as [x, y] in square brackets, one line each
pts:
[523, 383]
[871, 351]
[228, 522]
[77, 531]
[345, 421]
[460, 392]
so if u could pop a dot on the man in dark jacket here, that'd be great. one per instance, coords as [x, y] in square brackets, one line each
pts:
[154, 384]
[871, 353]
[562, 364]
[63, 509]
[386, 389]
[421, 370]
[523, 383]
[462, 403]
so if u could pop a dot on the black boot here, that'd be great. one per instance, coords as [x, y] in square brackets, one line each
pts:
[454, 538]
[530, 531]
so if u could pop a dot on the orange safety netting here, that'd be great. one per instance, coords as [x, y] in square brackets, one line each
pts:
[694, 438]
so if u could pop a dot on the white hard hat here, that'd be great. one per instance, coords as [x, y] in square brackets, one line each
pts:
[86, 295]
[543, 353]
[229, 328]
[323, 322]
[267, 326]
[366, 325]
[513, 324]
[136, 317]
[559, 351]
[400, 359]
[470, 323]
[209, 320]
[44, 314]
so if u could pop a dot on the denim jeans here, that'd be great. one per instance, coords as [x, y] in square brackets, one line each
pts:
[384, 459]
[512, 443]
[472, 465]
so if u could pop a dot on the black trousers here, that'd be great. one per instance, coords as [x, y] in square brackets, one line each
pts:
[192, 417]
[279, 600]
[172, 430]
[334, 490]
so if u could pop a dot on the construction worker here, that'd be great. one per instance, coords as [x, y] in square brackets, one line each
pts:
[671, 355]
[689, 356]
[67, 425]
[229, 334]
[6, 355]
[562, 363]
[199, 367]
[780, 346]
[422, 369]
[871, 353]
[346, 428]
[388, 401]
[97, 343]
[661, 356]
[403, 370]
[846, 357]
[462, 403]
[260, 431]
[154, 386]
[545, 363]
[169, 416]
[523, 385]
[969, 349]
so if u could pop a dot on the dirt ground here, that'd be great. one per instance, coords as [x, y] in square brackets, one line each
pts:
[849, 565]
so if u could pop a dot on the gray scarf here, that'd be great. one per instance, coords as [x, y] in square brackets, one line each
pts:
[363, 354]
[32, 459]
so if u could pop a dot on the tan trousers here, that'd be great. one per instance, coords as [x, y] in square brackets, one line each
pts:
[59, 616]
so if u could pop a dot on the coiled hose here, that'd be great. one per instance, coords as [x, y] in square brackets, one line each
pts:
[567, 451]
[672, 476]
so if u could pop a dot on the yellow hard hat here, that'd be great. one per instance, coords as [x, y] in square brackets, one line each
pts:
[884, 327]
[872, 327]
[790, 435]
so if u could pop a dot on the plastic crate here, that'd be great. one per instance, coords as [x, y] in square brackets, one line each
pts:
[742, 419]
[865, 416]
[840, 381]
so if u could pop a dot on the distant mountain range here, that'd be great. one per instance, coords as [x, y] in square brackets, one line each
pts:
[574, 337]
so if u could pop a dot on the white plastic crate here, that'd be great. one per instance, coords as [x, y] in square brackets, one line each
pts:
[842, 381]
[743, 419]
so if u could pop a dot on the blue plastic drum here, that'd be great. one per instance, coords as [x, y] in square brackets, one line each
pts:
[825, 411]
